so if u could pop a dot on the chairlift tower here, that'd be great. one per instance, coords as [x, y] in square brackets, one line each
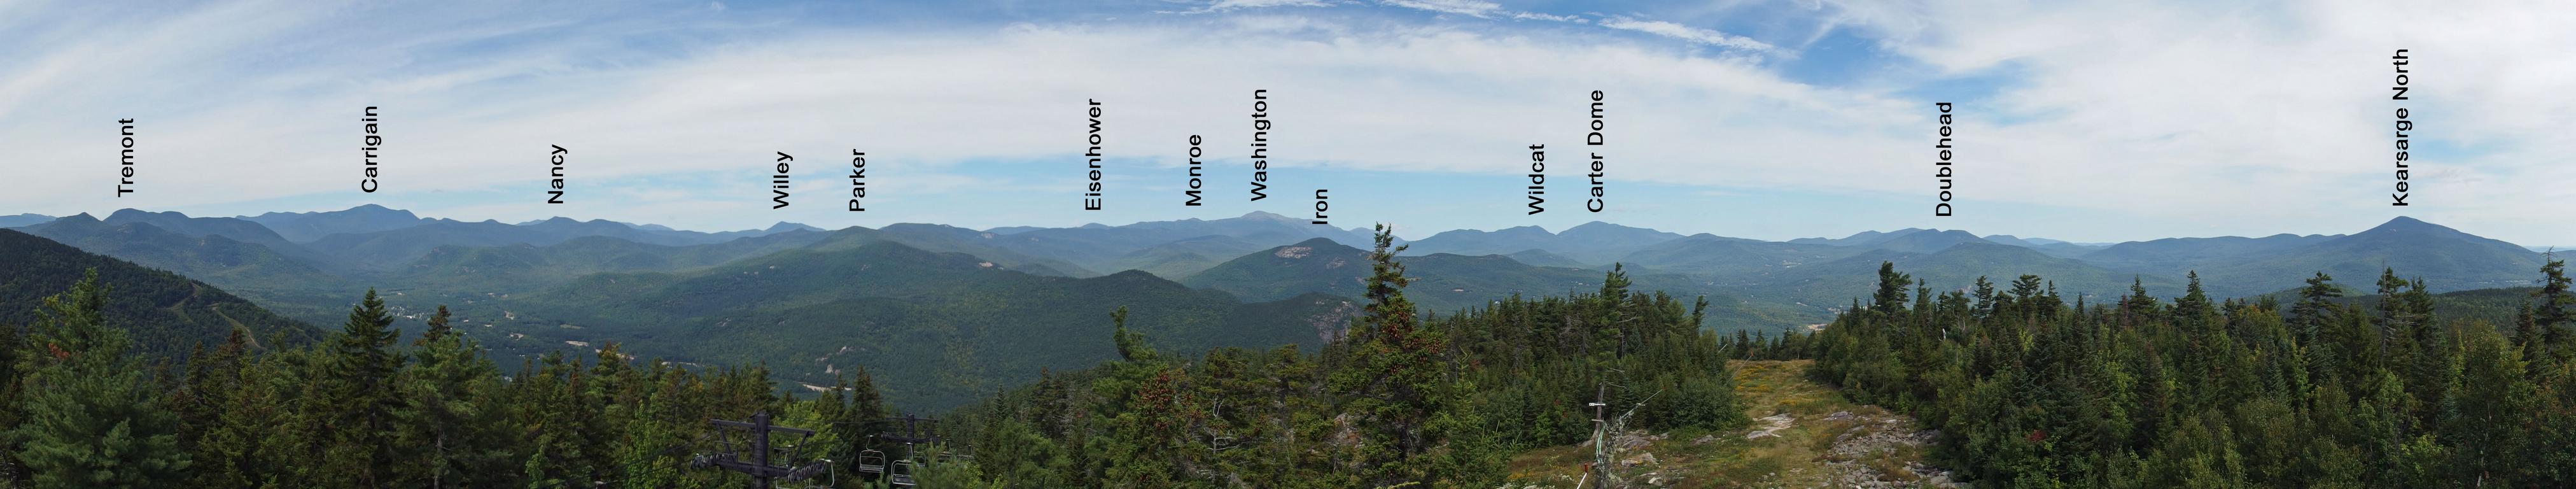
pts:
[756, 433]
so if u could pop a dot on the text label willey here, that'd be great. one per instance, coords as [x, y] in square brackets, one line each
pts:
[778, 182]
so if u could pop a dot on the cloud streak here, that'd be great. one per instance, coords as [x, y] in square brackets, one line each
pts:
[1688, 33]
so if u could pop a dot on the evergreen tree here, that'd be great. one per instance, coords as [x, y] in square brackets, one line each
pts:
[2493, 401]
[359, 403]
[2550, 313]
[855, 413]
[1396, 382]
[13, 353]
[563, 437]
[1890, 296]
[92, 419]
[213, 380]
[447, 424]
[2308, 317]
[1131, 344]
[260, 436]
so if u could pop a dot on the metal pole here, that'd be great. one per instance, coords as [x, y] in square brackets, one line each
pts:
[760, 449]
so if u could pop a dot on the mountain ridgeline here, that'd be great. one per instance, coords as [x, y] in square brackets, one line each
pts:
[1254, 351]
[949, 313]
[941, 328]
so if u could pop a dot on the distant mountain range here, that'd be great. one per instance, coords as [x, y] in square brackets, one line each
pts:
[906, 314]
[889, 297]
[24, 220]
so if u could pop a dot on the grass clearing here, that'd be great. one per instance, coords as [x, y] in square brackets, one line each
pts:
[1799, 456]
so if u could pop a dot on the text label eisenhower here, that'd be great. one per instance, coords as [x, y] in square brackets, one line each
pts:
[1091, 196]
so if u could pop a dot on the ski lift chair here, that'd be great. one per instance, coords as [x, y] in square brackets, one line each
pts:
[900, 474]
[872, 462]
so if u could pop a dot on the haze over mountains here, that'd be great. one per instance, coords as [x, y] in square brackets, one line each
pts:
[811, 302]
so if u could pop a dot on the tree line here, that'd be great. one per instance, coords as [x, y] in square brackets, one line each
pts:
[366, 408]
[2027, 390]
[1401, 399]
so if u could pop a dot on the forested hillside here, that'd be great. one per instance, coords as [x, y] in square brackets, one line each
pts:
[165, 313]
[1451, 283]
[2030, 390]
[943, 328]
[289, 280]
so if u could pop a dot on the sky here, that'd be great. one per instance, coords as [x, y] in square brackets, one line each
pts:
[2080, 121]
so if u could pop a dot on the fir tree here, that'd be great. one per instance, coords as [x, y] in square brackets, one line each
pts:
[1890, 297]
[359, 404]
[13, 353]
[2550, 314]
[447, 424]
[1397, 382]
[92, 420]
[2308, 317]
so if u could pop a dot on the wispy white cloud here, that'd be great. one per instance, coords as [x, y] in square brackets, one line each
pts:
[1219, 6]
[1688, 33]
[1236, 4]
[1553, 17]
[1473, 8]
[2250, 115]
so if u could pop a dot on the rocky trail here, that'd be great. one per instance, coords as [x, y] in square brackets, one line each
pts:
[1803, 435]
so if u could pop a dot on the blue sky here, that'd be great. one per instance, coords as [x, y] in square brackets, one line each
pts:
[2082, 121]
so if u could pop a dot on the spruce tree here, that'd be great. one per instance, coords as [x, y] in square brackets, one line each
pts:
[1890, 297]
[2308, 317]
[92, 420]
[1396, 381]
[359, 404]
[12, 353]
[2550, 314]
[448, 422]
